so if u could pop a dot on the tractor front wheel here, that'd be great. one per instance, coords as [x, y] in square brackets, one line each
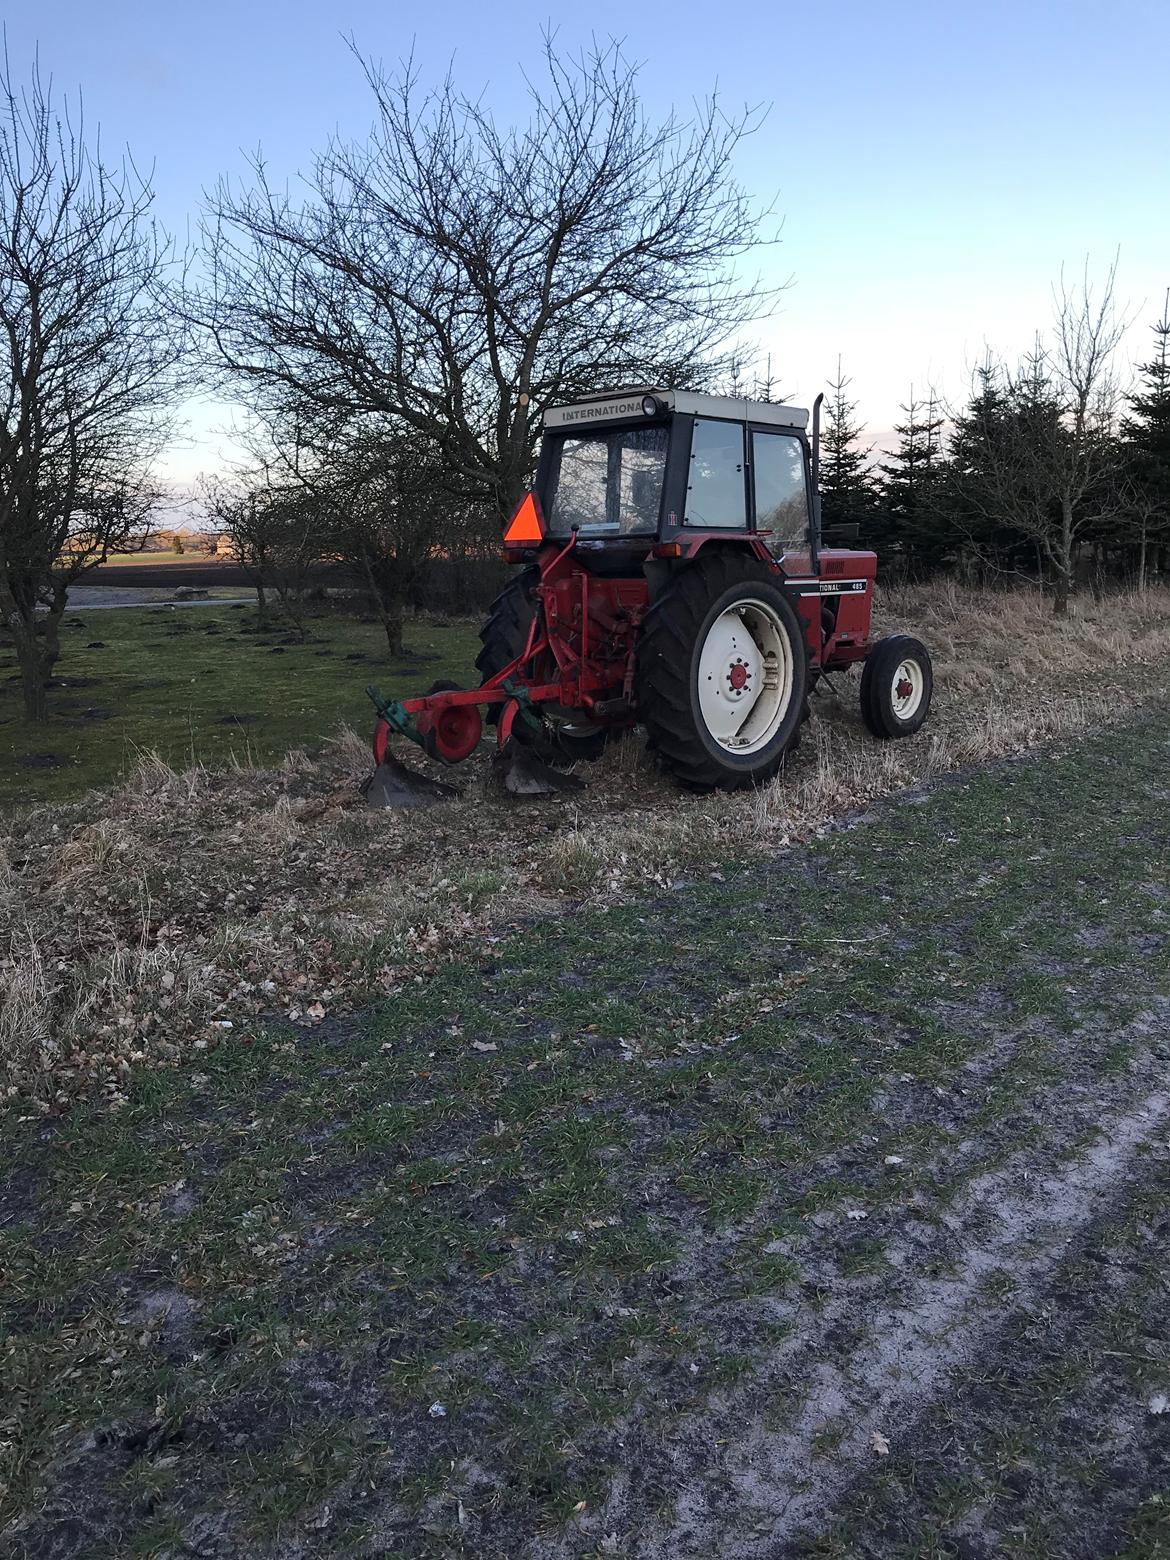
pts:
[721, 676]
[896, 684]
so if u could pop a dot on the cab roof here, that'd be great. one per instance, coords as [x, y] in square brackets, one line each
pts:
[621, 405]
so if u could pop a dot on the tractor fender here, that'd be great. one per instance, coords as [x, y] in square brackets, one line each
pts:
[686, 547]
[662, 571]
[666, 560]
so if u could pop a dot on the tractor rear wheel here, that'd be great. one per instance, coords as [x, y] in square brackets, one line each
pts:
[510, 615]
[896, 684]
[721, 676]
[504, 636]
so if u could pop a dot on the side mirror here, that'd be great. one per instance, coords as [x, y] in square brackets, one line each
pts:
[848, 532]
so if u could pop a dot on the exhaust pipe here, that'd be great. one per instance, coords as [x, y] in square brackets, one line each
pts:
[816, 473]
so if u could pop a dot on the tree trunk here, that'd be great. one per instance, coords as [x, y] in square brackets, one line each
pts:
[388, 588]
[1142, 559]
[291, 605]
[512, 485]
[32, 684]
[36, 655]
[392, 622]
[51, 630]
[37, 642]
[1064, 561]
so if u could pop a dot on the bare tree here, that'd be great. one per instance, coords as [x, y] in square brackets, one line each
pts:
[88, 351]
[298, 534]
[231, 505]
[279, 532]
[1042, 457]
[1145, 520]
[455, 277]
[370, 495]
[393, 512]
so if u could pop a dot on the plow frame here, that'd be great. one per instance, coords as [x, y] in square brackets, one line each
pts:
[586, 624]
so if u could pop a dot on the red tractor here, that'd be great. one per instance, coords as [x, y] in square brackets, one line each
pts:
[674, 576]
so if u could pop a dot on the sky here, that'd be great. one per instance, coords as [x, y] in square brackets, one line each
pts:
[935, 165]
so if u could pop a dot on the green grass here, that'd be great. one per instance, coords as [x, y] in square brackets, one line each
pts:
[196, 685]
[579, 1243]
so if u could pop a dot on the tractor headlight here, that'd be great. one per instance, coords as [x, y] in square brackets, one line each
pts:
[652, 406]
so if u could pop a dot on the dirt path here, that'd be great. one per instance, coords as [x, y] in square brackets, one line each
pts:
[1014, 1224]
[815, 1208]
[106, 598]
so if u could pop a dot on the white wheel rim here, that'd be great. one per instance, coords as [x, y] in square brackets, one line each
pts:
[909, 686]
[745, 677]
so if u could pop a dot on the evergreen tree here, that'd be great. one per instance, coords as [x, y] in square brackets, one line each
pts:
[912, 488]
[765, 387]
[975, 434]
[1148, 428]
[1042, 459]
[1146, 452]
[847, 490]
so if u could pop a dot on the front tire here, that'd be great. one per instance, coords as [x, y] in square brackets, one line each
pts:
[721, 675]
[896, 687]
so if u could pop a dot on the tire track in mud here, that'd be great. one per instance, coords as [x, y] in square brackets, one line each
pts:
[908, 1359]
[728, 1483]
[772, 1489]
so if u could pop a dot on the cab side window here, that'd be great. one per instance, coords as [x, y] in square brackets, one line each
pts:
[781, 491]
[716, 491]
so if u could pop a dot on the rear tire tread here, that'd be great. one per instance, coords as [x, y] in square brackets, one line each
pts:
[503, 637]
[663, 669]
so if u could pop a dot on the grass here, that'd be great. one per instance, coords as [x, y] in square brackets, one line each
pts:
[586, 1173]
[204, 685]
[153, 921]
[589, 1190]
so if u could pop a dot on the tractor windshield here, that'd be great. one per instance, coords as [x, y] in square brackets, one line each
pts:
[607, 483]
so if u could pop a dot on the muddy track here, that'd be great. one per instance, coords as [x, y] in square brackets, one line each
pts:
[1020, 1222]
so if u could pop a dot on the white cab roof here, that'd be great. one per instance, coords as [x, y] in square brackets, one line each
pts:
[617, 404]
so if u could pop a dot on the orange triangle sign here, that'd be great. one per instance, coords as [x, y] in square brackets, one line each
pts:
[525, 529]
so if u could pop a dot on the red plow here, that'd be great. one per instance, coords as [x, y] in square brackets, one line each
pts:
[577, 659]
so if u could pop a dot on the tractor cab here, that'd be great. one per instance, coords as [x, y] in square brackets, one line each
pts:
[673, 576]
[660, 466]
[648, 478]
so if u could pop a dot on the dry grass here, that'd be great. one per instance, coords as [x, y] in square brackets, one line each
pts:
[28, 1021]
[172, 914]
